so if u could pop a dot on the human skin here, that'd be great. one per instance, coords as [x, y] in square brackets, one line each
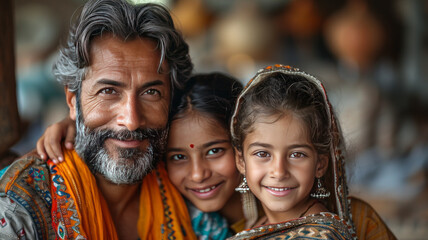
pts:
[201, 164]
[281, 164]
[123, 90]
[199, 154]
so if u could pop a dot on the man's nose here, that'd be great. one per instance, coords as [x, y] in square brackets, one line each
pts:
[130, 114]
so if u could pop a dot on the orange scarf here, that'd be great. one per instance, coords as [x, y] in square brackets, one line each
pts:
[79, 209]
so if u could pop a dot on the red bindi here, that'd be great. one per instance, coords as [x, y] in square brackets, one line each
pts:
[191, 145]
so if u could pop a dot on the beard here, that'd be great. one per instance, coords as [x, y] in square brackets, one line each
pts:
[119, 165]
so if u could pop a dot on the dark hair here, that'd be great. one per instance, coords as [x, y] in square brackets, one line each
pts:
[212, 95]
[279, 94]
[126, 21]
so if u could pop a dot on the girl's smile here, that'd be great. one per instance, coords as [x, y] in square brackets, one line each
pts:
[206, 192]
[280, 164]
[279, 191]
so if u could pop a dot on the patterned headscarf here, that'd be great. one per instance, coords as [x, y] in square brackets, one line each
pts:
[337, 146]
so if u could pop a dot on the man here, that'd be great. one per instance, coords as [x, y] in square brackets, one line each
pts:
[119, 69]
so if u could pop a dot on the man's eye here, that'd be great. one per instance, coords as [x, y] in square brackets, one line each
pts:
[108, 91]
[262, 154]
[152, 95]
[152, 92]
[178, 157]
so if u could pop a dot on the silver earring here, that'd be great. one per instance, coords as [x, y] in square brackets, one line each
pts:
[243, 187]
[320, 192]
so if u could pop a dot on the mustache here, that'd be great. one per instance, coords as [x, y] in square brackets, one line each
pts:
[139, 134]
[124, 134]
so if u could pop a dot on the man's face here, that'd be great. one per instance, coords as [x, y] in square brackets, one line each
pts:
[122, 110]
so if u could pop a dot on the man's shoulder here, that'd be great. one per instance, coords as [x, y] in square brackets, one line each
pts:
[25, 198]
[26, 179]
[22, 168]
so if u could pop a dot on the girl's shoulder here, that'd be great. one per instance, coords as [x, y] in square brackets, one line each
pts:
[323, 225]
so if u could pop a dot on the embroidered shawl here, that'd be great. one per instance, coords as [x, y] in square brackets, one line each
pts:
[63, 201]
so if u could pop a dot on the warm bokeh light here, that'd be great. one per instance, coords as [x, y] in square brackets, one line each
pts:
[371, 54]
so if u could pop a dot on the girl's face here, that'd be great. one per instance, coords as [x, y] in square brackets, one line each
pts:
[280, 164]
[200, 161]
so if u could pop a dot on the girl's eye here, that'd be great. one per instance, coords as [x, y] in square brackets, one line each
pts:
[108, 91]
[297, 155]
[215, 151]
[178, 157]
[262, 154]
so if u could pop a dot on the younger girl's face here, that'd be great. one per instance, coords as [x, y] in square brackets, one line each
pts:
[280, 164]
[200, 161]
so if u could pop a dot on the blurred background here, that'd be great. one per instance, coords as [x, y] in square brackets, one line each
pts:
[372, 56]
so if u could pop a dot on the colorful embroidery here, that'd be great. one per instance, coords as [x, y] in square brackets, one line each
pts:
[37, 174]
[3, 222]
[318, 226]
[61, 231]
[37, 177]
[21, 234]
[167, 211]
[64, 212]
[29, 187]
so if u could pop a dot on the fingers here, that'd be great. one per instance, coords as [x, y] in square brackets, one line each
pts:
[41, 148]
[69, 136]
[54, 135]
[49, 145]
[53, 144]
[45, 151]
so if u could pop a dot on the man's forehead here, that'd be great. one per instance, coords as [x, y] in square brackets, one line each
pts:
[112, 54]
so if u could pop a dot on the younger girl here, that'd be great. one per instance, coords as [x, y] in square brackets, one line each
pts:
[199, 156]
[290, 150]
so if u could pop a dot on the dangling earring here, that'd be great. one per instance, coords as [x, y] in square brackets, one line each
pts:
[249, 204]
[243, 187]
[320, 192]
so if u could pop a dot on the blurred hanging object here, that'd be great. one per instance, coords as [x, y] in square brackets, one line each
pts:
[242, 37]
[300, 19]
[9, 117]
[191, 17]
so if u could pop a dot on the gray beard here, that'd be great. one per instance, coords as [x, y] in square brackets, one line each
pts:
[123, 165]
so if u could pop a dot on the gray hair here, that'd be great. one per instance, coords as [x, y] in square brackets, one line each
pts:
[126, 21]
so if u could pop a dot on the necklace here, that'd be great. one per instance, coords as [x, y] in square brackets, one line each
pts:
[307, 209]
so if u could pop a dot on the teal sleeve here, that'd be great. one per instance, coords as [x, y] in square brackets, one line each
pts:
[208, 225]
[3, 171]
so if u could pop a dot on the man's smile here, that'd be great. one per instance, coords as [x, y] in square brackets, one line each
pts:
[127, 143]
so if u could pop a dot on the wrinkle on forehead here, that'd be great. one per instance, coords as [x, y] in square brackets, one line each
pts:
[114, 54]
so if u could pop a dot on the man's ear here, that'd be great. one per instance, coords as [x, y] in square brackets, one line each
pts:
[239, 159]
[71, 102]
[322, 165]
